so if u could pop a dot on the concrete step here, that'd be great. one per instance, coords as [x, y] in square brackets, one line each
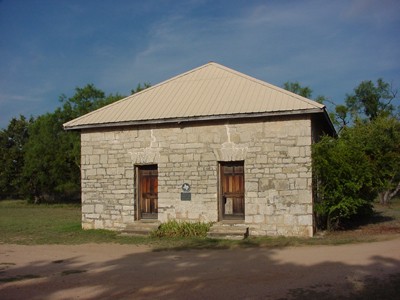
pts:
[141, 228]
[229, 230]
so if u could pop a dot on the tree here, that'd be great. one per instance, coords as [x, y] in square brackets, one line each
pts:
[52, 159]
[140, 88]
[85, 100]
[39, 159]
[48, 169]
[353, 169]
[381, 141]
[338, 115]
[344, 181]
[12, 148]
[371, 100]
[295, 87]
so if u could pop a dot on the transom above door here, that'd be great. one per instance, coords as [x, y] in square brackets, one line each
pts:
[147, 187]
[231, 197]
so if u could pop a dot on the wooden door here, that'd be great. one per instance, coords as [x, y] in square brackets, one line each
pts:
[148, 192]
[232, 190]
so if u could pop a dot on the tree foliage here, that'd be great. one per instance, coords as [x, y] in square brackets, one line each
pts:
[352, 170]
[52, 157]
[371, 100]
[140, 88]
[12, 151]
[297, 88]
[363, 162]
[40, 160]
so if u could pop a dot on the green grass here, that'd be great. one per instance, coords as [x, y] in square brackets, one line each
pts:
[30, 224]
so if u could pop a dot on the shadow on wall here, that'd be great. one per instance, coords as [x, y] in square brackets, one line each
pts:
[252, 273]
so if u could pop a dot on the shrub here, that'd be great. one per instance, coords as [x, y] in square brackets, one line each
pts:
[344, 182]
[182, 229]
[352, 170]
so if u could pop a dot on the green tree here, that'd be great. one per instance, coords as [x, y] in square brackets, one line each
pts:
[344, 181]
[85, 100]
[140, 88]
[353, 169]
[297, 88]
[371, 100]
[52, 158]
[48, 170]
[381, 142]
[12, 148]
[339, 113]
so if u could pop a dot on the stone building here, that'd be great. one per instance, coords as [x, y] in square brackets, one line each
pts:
[211, 145]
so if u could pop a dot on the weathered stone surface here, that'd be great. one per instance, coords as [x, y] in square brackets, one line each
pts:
[276, 155]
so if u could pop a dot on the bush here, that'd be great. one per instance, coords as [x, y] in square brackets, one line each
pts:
[182, 229]
[350, 171]
[344, 182]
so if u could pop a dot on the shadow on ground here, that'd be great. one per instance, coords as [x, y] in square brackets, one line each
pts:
[252, 273]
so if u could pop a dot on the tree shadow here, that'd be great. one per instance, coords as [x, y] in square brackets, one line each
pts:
[242, 273]
[375, 219]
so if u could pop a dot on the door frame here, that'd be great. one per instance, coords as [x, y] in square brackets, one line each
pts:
[222, 195]
[138, 191]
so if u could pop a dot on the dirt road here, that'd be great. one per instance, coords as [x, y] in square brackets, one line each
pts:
[108, 271]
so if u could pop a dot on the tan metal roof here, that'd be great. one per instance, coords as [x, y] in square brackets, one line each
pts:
[211, 91]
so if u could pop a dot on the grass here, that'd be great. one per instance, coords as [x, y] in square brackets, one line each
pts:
[29, 224]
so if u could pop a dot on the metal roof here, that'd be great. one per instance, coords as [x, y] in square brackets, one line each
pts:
[209, 92]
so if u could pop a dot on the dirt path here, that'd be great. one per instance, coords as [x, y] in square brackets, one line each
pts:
[107, 271]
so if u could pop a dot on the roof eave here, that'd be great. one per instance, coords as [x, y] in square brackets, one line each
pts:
[200, 118]
[330, 123]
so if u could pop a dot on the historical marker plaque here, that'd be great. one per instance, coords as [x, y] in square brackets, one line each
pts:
[186, 196]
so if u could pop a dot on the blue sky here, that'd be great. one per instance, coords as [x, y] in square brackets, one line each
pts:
[50, 47]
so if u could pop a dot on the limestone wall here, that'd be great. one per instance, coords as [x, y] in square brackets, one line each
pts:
[277, 159]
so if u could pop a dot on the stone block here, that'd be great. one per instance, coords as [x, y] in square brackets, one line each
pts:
[304, 196]
[262, 159]
[298, 209]
[174, 158]
[86, 150]
[87, 208]
[251, 186]
[90, 172]
[303, 141]
[294, 151]
[302, 160]
[301, 183]
[99, 208]
[265, 184]
[281, 185]
[305, 220]
[98, 224]
[280, 176]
